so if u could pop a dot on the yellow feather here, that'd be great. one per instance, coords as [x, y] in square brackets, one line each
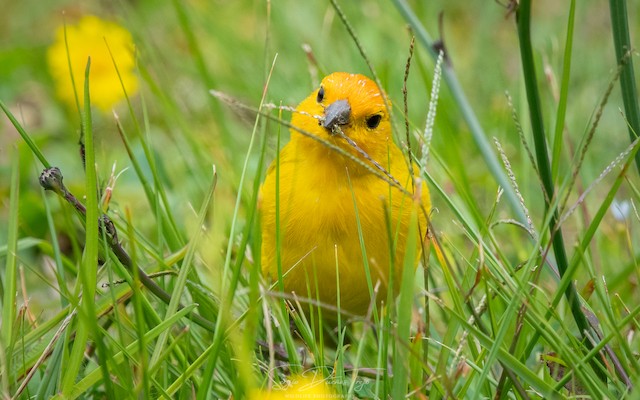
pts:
[321, 191]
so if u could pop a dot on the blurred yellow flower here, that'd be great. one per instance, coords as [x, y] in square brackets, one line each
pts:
[298, 387]
[90, 37]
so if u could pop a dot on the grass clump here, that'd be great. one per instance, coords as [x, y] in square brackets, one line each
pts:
[141, 276]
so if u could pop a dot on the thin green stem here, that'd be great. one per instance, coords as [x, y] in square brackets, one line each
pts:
[622, 43]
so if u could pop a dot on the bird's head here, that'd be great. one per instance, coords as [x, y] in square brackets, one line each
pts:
[349, 104]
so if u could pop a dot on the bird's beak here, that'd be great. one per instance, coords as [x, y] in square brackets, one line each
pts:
[338, 113]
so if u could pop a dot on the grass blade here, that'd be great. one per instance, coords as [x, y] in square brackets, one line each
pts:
[564, 90]
[622, 43]
[88, 271]
[10, 275]
[401, 356]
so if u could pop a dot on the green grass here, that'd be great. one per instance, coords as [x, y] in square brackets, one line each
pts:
[175, 306]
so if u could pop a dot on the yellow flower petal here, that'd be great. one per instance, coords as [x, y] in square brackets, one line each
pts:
[298, 387]
[93, 37]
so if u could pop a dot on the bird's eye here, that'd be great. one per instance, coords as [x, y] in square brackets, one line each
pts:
[373, 121]
[320, 94]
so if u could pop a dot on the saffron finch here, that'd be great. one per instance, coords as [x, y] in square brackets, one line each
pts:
[326, 199]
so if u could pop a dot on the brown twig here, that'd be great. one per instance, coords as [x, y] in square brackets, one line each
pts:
[51, 179]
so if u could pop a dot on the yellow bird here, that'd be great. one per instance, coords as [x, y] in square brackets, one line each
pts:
[325, 197]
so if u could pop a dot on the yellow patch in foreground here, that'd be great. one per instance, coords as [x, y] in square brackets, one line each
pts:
[298, 387]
